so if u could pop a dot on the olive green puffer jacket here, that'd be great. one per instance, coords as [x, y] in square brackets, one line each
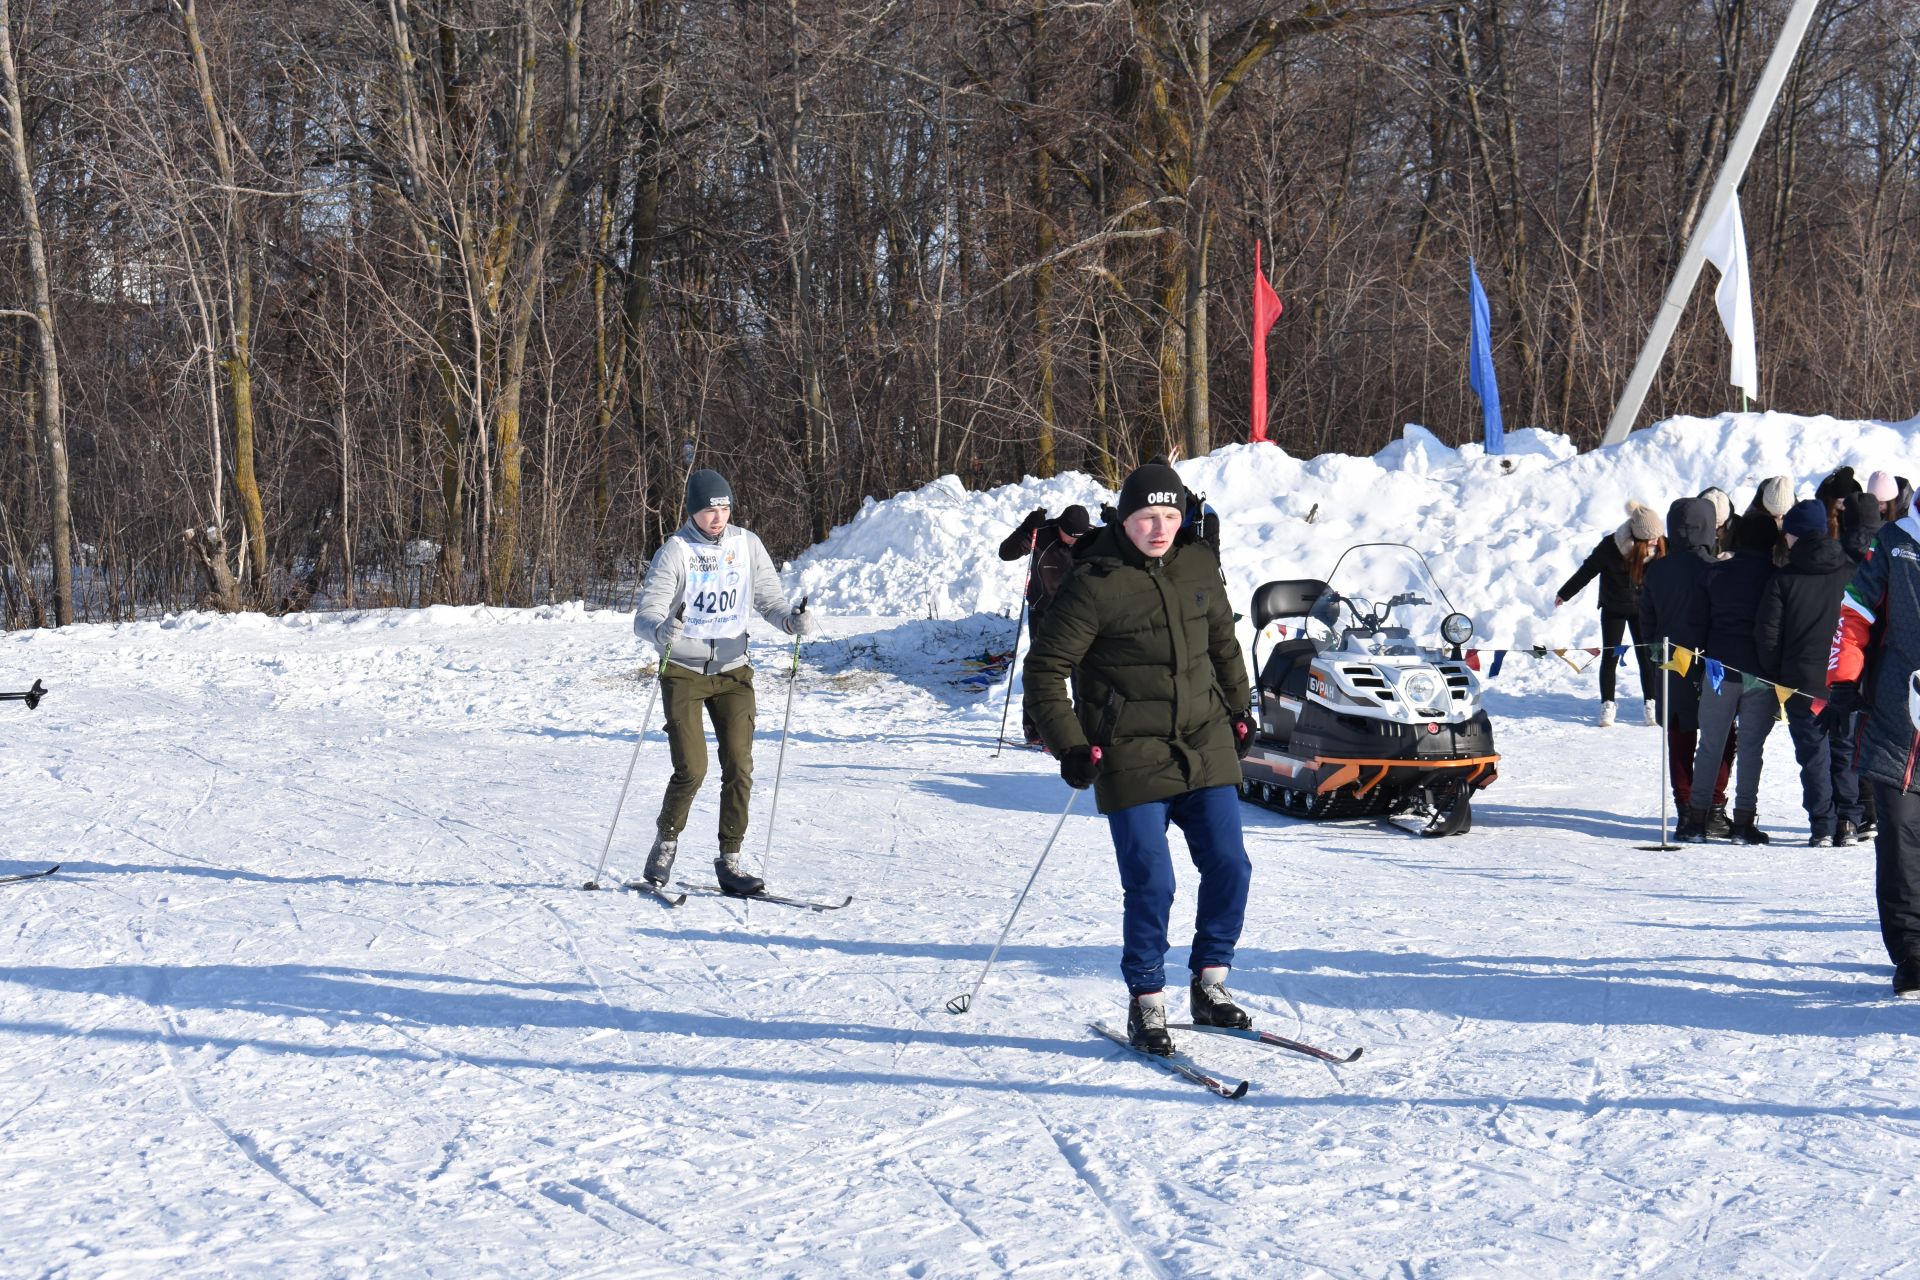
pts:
[1156, 672]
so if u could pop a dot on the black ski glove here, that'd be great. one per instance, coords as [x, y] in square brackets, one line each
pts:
[1842, 701]
[1242, 735]
[1080, 767]
[1034, 520]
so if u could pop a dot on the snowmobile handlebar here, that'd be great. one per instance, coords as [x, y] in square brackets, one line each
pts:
[29, 696]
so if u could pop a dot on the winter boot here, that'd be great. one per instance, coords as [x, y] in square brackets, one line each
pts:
[1745, 832]
[1819, 840]
[1719, 825]
[1844, 833]
[1906, 980]
[660, 860]
[1147, 1024]
[1652, 713]
[1867, 819]
[732, 879]
[1692, 828]
[1213, 1004]
[1606, 715]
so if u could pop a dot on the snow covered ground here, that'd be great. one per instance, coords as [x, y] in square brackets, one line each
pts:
[318, 993]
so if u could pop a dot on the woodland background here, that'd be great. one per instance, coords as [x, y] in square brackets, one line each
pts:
[385, 301]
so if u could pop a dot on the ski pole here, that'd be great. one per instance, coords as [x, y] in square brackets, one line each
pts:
[780, 763]
[652, 700]
[999, 743]
[29, 696]
[1666, 713]
[964, 1001]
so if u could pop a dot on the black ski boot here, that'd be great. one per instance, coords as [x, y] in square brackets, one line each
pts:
[1213, 1004]
[1906, 980]
[1844, 834]
[660, 860]
[1719, 825]
[1745, 831]
[1693, 827]
[733, 880]
[1147, 1024]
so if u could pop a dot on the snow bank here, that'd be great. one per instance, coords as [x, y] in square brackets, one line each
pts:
[1501, 533]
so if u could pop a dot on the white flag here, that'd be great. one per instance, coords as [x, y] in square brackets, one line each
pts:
[1727, 250]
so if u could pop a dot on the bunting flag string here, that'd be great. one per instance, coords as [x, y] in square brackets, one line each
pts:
[1680, 660]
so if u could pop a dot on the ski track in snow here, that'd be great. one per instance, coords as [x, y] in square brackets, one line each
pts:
[318, 994]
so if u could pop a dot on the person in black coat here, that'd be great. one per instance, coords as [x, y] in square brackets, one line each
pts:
[1620, 562]
[1673, 611]
[1050, 545]
[1794, 635]
[1734, 587]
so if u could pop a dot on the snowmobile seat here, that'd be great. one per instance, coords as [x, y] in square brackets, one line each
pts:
[1286, 598]
[1287, 668]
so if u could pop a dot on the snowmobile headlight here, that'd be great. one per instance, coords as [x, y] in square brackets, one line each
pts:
[1456, 628]
[1425, 691]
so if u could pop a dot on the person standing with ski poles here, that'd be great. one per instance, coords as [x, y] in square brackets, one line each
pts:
[1156, 724]
[1048, 546]
[720, 572]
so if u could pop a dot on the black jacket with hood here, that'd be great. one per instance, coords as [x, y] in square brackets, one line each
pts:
[1798, 610]
[1673, 602]
[1734, 588]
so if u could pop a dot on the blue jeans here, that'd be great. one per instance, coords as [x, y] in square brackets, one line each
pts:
[1210, 820]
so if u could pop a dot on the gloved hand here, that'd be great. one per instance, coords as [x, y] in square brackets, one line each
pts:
[1843, 700]
[1080, 767]
[1242, 735]
[798, 624]
[1035, 518]
[669, 631]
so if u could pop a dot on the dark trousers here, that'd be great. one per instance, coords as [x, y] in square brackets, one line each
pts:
[1896, 877]
[1681, 744]
[1210, 820]
[1813, 752]
[728, 699]
[1851, 799]
[1612, 626]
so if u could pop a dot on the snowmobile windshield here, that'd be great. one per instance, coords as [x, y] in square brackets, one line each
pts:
[1381, 598]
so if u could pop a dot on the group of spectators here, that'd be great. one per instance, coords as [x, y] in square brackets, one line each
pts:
[1757, 598]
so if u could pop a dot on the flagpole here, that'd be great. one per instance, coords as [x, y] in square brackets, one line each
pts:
[1739, 154]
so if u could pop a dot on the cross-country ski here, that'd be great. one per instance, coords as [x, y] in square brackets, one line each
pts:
[30, 875]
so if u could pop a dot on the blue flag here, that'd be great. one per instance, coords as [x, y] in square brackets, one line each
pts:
[1480, 374]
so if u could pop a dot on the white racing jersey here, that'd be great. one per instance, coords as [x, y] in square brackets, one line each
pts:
[719, 589]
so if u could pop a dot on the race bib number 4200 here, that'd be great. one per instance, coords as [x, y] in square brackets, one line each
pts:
[717, 594]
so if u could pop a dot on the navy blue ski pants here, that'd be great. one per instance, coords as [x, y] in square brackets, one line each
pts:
[1210, 820]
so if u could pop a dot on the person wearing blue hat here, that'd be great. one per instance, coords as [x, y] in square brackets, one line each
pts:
[699, 589]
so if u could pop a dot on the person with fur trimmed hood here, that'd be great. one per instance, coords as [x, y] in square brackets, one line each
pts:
[1156, 724]
[1620, 561]
[1877, 641]
[1673, 611]
[702, 584]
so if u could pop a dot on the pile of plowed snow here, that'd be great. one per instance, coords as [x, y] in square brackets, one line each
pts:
[1500, 533]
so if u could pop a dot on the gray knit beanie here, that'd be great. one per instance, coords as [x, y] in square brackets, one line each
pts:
[1643, 522]
[1722, 505]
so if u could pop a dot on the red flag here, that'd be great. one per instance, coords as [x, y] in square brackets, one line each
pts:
[1473, 658]
[1266, 309]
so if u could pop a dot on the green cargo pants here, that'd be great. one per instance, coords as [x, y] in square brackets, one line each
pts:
[728, 698]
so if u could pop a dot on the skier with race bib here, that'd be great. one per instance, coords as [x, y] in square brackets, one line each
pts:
[720, 572]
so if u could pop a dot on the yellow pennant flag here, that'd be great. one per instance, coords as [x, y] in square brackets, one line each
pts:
[1781, 692]
[1681, 662]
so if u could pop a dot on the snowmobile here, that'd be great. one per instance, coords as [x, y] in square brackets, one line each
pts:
[1357, 717]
